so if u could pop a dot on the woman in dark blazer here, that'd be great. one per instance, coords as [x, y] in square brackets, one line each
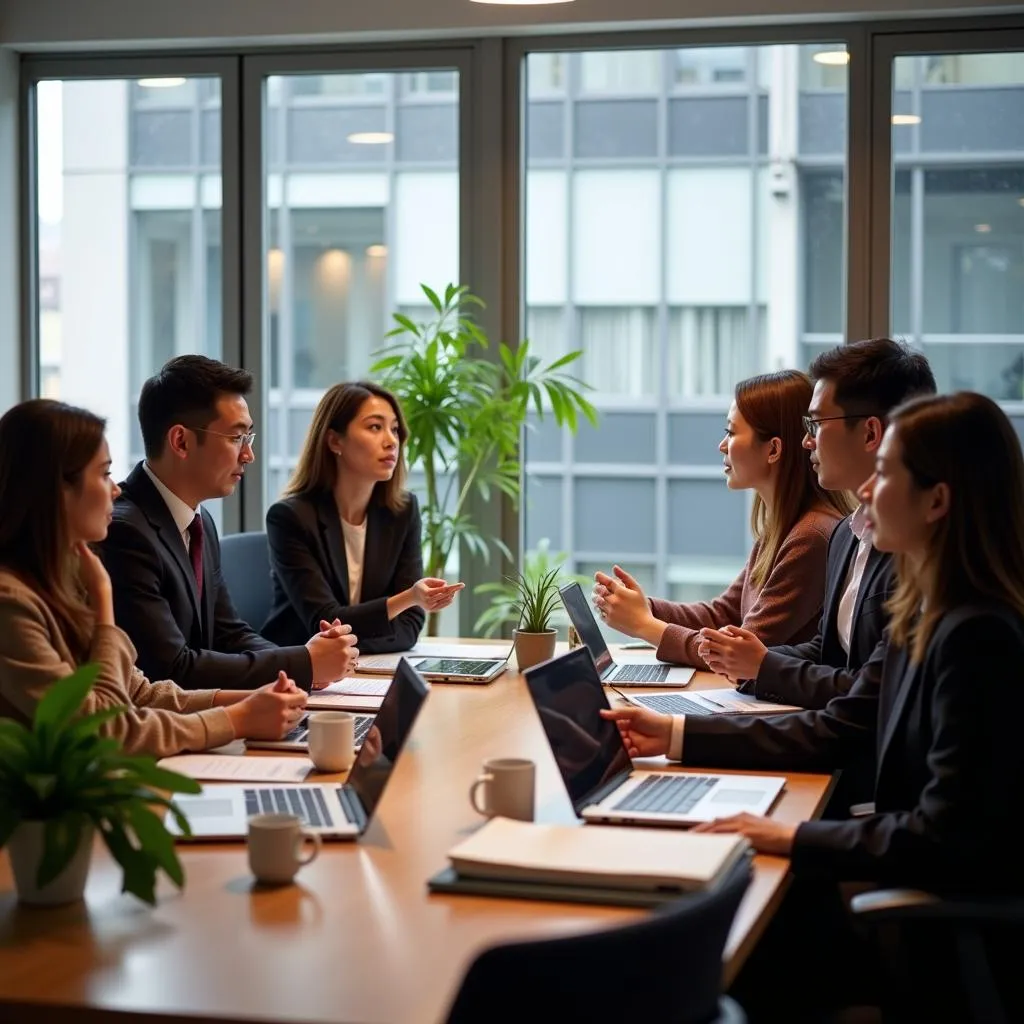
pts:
[345, 540]
[947, 498]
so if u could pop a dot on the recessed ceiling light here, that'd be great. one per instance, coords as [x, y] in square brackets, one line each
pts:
[983, 229]
[161, 83]
[906, 119]
[377, 251]
[831, 58]
[371, 138]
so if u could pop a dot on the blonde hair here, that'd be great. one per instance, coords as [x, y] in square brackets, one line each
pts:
[976, 551]
[774, 404]
[317, 470]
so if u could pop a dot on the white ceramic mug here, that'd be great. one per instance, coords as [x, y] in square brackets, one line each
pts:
[507, 784]
[332, 743]
[275, 847]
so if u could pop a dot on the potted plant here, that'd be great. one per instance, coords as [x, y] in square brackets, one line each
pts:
[60, 781]
[466, 414]
[529, 599]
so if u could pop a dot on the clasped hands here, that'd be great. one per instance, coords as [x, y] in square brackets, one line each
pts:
[731, 651]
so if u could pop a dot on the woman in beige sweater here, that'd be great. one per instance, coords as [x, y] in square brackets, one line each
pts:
[56, 606]
[779, 594]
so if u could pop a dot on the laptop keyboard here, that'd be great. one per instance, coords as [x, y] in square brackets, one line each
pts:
[665, 794]
[300, 734]
[304, 801]
[673, 704]
[456, 666]
[648, 673]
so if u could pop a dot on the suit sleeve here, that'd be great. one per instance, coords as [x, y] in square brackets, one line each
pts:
[959, 828]
[294, 557]
[141, 610]
[791, 679]
[802, 741]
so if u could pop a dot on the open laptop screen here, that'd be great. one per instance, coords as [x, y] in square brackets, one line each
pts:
[588, 749]
[387, 736]
[582, 618]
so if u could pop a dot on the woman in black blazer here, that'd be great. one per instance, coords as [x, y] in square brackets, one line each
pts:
[345, 540]
[947, 498]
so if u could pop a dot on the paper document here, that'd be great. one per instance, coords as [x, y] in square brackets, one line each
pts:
[321, 700]
[733, 700]
[225, 768]
[352, 685]
[601, 855]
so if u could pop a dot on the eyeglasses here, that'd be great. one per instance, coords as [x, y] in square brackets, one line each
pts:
[240, 441]
[811, 426]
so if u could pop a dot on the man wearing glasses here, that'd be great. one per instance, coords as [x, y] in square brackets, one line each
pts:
[856, 387]
[162, 550]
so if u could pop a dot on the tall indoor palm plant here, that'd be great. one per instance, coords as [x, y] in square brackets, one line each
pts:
[466, 412]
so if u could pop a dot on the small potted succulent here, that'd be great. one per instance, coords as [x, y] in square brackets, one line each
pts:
[61, 781]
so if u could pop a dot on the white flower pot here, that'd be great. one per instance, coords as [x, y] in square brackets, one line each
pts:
[26, 850]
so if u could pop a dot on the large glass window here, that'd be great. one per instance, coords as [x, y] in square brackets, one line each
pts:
[958, 217]
[129, 266]
[684, 229]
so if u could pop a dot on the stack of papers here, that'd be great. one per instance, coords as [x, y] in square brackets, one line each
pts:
[594, 855]
[350, 694]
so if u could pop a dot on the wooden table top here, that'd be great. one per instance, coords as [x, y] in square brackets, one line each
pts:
[358, 938]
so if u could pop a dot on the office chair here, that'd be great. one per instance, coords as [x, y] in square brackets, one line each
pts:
[983, 938]
[245, 564]
[665, 968]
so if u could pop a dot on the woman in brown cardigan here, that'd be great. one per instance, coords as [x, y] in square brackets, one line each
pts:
[56, 606]
[779, 594]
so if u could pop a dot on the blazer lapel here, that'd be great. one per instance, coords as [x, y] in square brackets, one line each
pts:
[140, 489]
[899, 680]
[333, 542]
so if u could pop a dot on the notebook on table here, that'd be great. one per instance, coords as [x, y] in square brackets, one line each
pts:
[650, 673]
[598, 771]
[335, 811]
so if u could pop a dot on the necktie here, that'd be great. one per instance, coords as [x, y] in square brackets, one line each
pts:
[195, 551]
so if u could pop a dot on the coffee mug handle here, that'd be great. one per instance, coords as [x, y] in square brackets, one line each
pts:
[311, 837]
[482, 781]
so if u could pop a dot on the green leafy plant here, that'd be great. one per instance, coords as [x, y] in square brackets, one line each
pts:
[466, 413]
[528, 597]
[60, 771]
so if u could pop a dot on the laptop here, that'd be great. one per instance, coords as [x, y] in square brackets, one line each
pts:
[334, 811]
[597, 769]
[438, 669]
[298, 738]
[708, 702]
[652, 673]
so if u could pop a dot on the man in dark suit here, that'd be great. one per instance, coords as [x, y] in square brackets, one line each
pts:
[856, 387]
[162, 550]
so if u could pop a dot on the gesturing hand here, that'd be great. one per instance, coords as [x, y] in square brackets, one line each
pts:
[621, 602]
[433, 594]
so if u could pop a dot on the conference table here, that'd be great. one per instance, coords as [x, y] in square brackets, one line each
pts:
[358, 937]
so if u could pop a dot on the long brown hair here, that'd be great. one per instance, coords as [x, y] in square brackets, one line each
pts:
[317, 470]
[45, 446]
[976, 551]
[773, 405]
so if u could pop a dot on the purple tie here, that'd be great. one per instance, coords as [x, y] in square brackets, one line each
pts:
[195, 551]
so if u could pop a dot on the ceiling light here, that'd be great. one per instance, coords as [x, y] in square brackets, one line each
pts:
[983, 229]
[377, 251]
[371, 138]
[161, 83]
[831, 58]
[905, 119]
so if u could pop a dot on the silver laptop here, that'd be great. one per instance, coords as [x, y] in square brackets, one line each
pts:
[335, 811]
[652, 673]
[298, 738]
[725, 701]
[597, 769]
[438, 670]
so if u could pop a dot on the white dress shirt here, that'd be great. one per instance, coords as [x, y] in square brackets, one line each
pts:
[180, 511]
[844, 617]
[355, 545]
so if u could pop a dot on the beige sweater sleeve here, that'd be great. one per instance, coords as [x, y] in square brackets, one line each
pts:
[161, 718]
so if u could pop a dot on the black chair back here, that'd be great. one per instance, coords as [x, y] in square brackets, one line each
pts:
[665, 968]
[245, 565]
